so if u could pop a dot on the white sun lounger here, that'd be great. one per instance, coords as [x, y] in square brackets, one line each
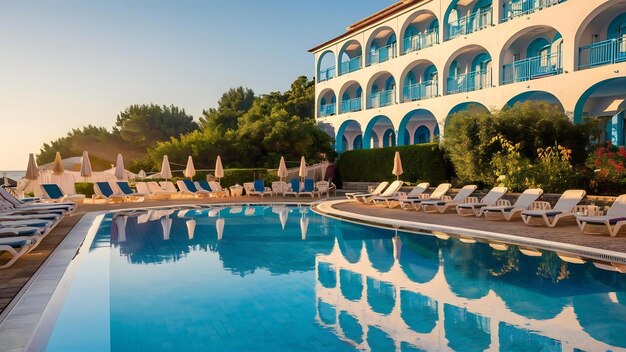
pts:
[415, 193]
[393, 188]
[473, 208]
[611, 223]
[446, 202]
[562, 209]
[377, 191]
[408, 203]
[504, 211]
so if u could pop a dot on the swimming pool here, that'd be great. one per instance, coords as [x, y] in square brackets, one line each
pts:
[283, 278]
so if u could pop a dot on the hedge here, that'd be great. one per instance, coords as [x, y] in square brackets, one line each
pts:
[421, 163]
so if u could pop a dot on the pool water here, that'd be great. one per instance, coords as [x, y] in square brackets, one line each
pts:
[274, 278]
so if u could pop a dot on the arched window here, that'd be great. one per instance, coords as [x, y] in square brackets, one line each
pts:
[422, 135]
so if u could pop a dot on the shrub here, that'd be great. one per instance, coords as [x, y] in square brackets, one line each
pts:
[423, 162]
[510, 168]
[609, 165]
[85, 188]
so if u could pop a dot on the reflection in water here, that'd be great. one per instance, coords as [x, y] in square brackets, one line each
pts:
[449, 295]
[378, 290]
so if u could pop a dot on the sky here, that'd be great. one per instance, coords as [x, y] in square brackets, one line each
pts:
[66, 64]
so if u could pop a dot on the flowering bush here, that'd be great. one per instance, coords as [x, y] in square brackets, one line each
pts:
[609, 165]
[552, 171]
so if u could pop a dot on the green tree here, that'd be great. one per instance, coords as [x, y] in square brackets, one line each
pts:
[145, 125]
[231, 106]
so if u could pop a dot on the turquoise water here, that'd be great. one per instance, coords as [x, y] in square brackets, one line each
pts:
[283, 278]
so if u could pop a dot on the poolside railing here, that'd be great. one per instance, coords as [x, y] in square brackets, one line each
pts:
[532, 68]
[325, 75]
[327, 110]
[421, 40]
[602, 53]
[350, 105]
[383, 54]
[470, 23]
[518, 8]
[468, 82]
[381, 99]
[351, 65]
[420, 91]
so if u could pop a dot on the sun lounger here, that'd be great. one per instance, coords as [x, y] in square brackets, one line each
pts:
[376, 192]
[415, 193]
[188, 187]
[563, 209]
[475, 208]
[129, 193]
[279, 188]
[16, 245]
[415, 203]
[293, 188]
[151, 192]
[446, 202]
[16, 205]
[391, 191]
[610, 223]
[322, 187]
[167, 186]
[504, 211]
[53, 193]
[103, 190]
[207, 186]
[218, 189]
[259, 189]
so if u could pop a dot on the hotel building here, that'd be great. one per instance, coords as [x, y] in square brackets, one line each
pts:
[396, 76]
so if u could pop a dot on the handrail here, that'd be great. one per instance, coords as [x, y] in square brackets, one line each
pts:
[532, 68]
[351, 65]
[470, 23]
[602, 53]
[420, 91]
[325, 75]
[468, 82]
[518, 8]
[350, 105]
[383, 54]
[327, 110]
[381, 99]
[421, 40]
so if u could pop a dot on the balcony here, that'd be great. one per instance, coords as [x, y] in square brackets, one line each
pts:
[325, 75]
[469, 82]
[381, 99]
[470, 23]
[327, 110]
[382, 54]
[351, 105]
[602, 53]
[420, 91]
[351, 65]
[532, 68]
[421, 40]
[518, 8]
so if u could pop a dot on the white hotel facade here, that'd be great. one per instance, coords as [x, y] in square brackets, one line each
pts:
[395, 77]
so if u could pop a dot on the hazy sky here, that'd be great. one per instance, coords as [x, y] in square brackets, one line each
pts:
[66, 64]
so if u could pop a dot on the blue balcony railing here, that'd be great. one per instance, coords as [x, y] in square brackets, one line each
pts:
[517, 8]
[421, 40]
[602, 53]
[420, 91]
[381, 99]
[470, 23]
[351, 65]
[382, 54]
[325, 75]
[327, 110]
[468, 82]
[351, 105]
[532, 68]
